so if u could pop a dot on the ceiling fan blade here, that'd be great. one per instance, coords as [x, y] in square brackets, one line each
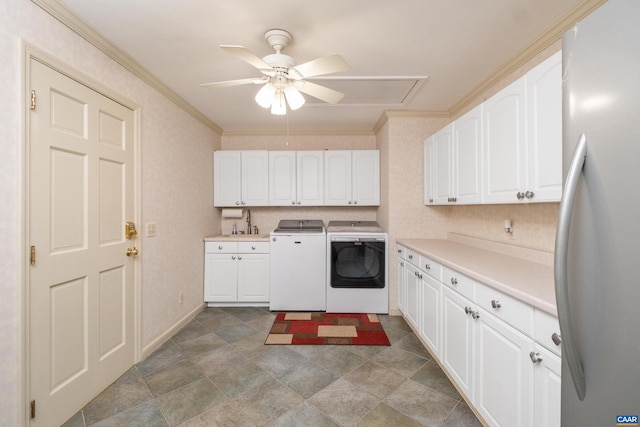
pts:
[239, 82]
[247, 56]
[327, 64]
[323, 93]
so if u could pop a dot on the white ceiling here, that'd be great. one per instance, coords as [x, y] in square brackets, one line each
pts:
[458, 44]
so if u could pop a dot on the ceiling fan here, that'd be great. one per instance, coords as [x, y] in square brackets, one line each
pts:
[283, 79]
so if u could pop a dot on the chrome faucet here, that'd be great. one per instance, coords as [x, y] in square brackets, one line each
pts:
[249, 221]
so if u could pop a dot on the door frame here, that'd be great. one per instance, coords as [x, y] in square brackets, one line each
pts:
[28, 53]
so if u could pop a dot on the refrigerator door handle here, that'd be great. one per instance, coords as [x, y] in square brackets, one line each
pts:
[569, 348]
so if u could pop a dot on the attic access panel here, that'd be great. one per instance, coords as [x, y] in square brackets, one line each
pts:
[370, 91]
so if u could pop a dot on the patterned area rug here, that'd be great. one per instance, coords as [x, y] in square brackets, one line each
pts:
[327, 328]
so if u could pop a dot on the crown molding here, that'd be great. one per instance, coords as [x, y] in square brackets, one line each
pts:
[299, 133]
[403, 114]
[66, 16]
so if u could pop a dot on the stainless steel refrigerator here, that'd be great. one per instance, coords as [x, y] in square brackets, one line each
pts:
[597, 259]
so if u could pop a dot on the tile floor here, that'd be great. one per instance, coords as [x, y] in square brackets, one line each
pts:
[216, 371]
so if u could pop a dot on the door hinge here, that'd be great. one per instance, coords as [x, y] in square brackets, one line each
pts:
[33, 409]
[33, 255]
[33, 99]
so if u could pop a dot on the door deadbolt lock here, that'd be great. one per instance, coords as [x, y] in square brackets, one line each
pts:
[130, 230]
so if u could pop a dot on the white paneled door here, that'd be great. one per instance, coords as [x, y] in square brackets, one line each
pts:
[81, 280]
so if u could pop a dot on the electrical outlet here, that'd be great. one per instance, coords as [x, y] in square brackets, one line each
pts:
[180, 298]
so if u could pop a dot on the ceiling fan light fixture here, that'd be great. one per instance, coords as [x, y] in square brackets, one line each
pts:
[265, 95]
[279, 105]
[294, 97]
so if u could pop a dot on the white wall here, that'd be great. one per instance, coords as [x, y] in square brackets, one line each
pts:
[176, 152]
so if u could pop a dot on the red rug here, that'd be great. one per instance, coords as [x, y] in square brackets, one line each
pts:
[327, 328]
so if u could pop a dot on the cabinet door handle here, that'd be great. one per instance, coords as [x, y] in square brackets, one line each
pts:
[556, 338]
[233, 257]
[355, 202]
[401, 264]
[454, 281]
[349, 202]
[475, 315]
[468, 310]
[535, 357]
[410, 256]
[529, 194]
[243, 202]
[495, 303]
[293, 202]
[427, 266]
[239, 258]
[237, 203]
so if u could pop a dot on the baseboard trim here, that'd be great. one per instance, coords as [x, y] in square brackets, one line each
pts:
[157, 343]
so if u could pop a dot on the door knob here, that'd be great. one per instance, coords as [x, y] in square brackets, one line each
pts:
[132, 251]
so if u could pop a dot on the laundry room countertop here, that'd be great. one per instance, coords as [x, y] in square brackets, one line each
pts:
[237, 237]
[526, 274]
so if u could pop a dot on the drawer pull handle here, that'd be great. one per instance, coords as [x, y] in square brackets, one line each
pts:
[555, 337]
[495, 304]
[233, 257]
[454, 281]
[410, 256]
[253, 248]
[427, 266]
[220, 247]
[535, 357]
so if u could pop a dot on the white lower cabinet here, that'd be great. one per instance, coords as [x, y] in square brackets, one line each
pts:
[412, 305]
[402, 279]
[236, 272]
[431, 319]
[458, 341]
[502, 354]
[504, 378]
[546, 379]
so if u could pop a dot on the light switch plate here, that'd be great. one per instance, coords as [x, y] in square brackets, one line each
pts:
[151, 229]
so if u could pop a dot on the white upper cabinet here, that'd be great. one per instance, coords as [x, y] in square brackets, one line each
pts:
[240, 178]
[366, 177]
[443, 173]
[310, 178]
[467, 168]
[544, 92]
[352, 178]
[523, 138]
[255, 178]
[282, 178]
[453, 162]
[505, 143]
[429, 171]
[296, 178]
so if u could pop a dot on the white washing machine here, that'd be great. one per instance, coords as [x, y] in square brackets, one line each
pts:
[298, 266]
[357, 268]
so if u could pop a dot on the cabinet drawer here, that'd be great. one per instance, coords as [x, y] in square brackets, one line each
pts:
[413, 257]
[402, 252]
[431, 267]
[220, 247]
[513, 311]
[545, 326]
[459, 282]
[253, 247]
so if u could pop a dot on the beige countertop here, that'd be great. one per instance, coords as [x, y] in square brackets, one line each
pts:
[525, 274]
[237, 238]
